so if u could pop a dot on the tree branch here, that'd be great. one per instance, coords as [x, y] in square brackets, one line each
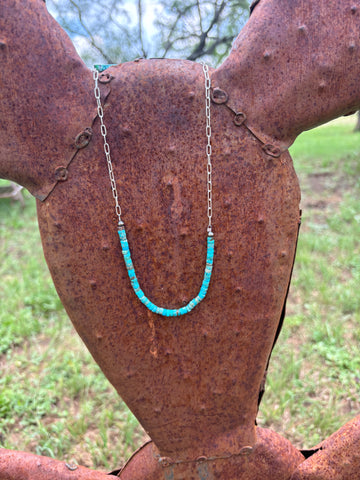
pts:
[199, 50]
[90, 37]
[140, 15]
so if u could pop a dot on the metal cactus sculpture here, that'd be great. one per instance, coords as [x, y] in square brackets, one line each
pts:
[193, 378]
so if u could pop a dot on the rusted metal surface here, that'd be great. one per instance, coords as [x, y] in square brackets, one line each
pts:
[337, 458]
[271, 457]
[22, 465]
[183, 375]
[193, 382]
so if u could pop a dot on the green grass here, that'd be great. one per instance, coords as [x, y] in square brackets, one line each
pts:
[55, 401]
[314, 378]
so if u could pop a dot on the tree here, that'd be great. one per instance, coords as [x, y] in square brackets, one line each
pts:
[114, 31]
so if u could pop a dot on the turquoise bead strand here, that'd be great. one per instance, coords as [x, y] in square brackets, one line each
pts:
[166, 312]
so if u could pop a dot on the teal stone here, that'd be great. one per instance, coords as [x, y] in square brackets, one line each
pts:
[192, 304]
[165, 312]
[131, 273]
[202, 294]
[102, 67]
[140, 295]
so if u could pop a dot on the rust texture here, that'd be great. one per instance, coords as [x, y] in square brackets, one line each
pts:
[22, 465]
[193, 382]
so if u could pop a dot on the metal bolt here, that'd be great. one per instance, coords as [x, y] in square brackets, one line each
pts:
[165, 461]
[61, 174]
[246, 450]
[266, 55]
[83, 138]
[201, 458]
[105, 77]
[239, 119]
[219, 96]
[272, 150]
[302, 28]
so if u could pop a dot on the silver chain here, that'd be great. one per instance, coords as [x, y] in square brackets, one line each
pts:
[103, 130]
[208, 146]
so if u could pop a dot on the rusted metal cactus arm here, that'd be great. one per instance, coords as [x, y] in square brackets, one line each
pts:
[45, 98]
[26, 466]
[336, 458]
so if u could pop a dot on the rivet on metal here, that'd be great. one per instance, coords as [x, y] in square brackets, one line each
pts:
[227, 203]
[272, 150]
[83, 138]
[165, 461]
[61, 174]
[201, 458]
[105, 77]
[302, 28]
[219, 96]
[239, 119]
[246, 450]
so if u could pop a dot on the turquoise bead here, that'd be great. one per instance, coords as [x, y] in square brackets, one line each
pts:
[140, 294]
[101, 67]
[131, 273]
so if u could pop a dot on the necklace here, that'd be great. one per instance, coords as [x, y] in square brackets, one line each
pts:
[166, 312]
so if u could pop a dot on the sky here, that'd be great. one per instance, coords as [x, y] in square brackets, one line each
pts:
[151, 11]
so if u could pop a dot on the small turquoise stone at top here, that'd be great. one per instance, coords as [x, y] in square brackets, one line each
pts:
[135, 284]
[101, 67]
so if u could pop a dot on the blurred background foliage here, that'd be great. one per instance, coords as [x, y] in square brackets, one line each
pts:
[115, 31]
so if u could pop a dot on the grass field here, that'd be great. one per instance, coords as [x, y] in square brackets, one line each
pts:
[54, 400]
